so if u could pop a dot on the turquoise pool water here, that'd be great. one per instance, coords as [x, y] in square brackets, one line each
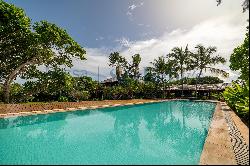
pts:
[170, 132]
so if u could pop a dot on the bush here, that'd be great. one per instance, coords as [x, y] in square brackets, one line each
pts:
[242, 107]
[149, 90]
[62, 99]
[85, 95]
[117, 92]
[217, 96]
[237, 97]
[77, 95]
[204, 98]
[16, 93]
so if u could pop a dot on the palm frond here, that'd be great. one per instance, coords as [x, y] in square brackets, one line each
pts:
[218, 59]
[218, 71]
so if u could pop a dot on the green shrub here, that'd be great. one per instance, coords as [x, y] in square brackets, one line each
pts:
[16, 93]
[77, 95]
[242, 107]
[149, 90]
[62, 99]
[217, 96]
[237, 97]
[85, 95]
[204, 98]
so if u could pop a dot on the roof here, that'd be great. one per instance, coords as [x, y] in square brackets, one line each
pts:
[200, 87]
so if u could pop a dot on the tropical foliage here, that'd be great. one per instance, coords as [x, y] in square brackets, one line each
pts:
[237, 96]
[124, 69]
[239, 60]
[202, 60]
[181, 58]
[163, 70]
[245, 4]
[23, 46]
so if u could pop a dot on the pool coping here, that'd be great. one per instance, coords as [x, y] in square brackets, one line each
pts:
[79, 108]
[55, 110]
[219, 147]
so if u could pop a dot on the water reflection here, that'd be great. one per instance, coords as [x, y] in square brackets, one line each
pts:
[37, 119]
[169, 132]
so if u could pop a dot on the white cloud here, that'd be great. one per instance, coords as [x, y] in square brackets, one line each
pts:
[96, 57]
[129, 13]
[220, 32]
[145, 25]
[124, 42]
[99, 38]
[132, 7]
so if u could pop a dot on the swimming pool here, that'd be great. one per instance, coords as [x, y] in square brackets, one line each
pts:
[171, 132]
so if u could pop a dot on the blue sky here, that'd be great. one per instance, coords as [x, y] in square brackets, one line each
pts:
[92, 23]
[148, 27]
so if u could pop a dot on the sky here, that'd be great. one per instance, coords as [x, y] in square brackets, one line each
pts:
[148, 27]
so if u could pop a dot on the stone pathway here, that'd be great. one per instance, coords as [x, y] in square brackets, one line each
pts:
[240, 146]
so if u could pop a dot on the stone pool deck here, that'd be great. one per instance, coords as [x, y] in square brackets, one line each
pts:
[227, 142]
[7, 110]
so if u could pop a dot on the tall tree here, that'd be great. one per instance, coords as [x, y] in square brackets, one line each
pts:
[162, 68]
[202, 60]
[159, 68]
[149, 76]
[23, 47]
[181, 59]
[50, 85]
[119, 62]
[125, 69]
[134, 67]
[239, 60]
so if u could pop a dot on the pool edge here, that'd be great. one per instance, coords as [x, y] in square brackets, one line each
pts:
[55, 110]
[218, 148]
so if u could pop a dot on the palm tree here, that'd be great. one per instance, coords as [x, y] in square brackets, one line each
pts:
[134, 68]
[202, 60]
[163, 67]
[116, 60]
[181, 58]
[149, 76]
[159, 67]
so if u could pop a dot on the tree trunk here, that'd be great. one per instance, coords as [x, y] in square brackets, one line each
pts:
[163, 87]
[197, 82]
[11, 77]
[182, 82]
[6, 92]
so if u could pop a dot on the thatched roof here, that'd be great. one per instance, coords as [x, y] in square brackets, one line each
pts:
[200, 87]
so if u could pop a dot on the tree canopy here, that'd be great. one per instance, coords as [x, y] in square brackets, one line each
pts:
[239, 59]
[245, 4]
[181, 58]
[125, 69]
[24, 46]
[203, 60]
